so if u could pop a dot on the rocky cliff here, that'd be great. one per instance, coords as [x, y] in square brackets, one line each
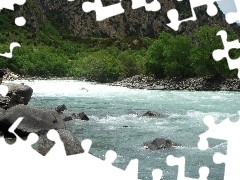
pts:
[69, 17]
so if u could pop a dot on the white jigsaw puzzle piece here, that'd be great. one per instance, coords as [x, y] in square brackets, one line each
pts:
[21, 159]
[12, 46]
[95, 168]
[9, 4]
[173, 14]
[229, 131]
[153, 6]
[101, 11]
[3, 90]
[224, 53]
[233, 17]
[180, 162]
[58, 149]
[157, 174]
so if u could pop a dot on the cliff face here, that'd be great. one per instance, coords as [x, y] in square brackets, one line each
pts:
[69, 16]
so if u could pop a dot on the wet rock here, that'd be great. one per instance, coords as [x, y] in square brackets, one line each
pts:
[45, 146]
[67, 118]
[160, 144]
[36, 120]
[61, 108]
[81, 116]
[17, 94]
[153, 114]
[71, 144]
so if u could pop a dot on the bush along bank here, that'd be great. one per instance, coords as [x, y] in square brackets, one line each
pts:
[209, 83]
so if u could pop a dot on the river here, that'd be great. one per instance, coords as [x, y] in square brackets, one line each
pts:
[108, 108]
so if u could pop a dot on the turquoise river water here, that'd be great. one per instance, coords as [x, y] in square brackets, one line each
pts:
[108, 108]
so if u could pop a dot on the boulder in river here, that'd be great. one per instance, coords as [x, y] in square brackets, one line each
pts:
[61, 108]
[71, 143]
[81, 116]
[67, 118]
[36, 120]
[17, 94]
[160, 144]
[153, 114]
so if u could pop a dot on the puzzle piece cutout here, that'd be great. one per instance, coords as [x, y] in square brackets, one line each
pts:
[173, 14]
[229, 131]
[88, 166]
[180, 162]
[224, 53]
[9, 4]
[101, 11]
[233, 17]
[153, 6]
[19, 21]
[10, 54]
[3, 90]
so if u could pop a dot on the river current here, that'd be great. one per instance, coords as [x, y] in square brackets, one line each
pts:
[108, 108]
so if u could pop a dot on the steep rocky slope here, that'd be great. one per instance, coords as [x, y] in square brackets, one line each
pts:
[69, 17]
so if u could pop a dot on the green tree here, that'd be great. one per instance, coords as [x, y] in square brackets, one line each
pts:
[99, 66]
[206, 42]
[155, 57]
[169, 56]
[176, 54]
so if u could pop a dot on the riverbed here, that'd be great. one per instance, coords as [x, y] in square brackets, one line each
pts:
[116, 122]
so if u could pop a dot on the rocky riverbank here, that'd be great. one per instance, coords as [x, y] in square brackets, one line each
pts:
[150, 83]
[11, 76]
[191, 84]
[36, 120]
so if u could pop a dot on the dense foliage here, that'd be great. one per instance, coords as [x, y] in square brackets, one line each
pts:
[47, 53]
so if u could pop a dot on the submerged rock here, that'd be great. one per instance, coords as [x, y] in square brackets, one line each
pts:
[67, 118]
[36, 120]
[153, 114]
[81, 116]
[160, 143]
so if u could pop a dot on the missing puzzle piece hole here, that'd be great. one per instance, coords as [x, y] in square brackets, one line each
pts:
[20, 21]
[110, 156]
[204, 172]
[209, 121]
[86, 145]
[157, 174]
[219, 158]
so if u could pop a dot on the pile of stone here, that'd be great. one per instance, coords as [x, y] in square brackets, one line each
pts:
[191, 84]
[35, 120]
[11, 76]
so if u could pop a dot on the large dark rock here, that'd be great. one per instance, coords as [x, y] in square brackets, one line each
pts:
[17, 94]
[61, 108]
[153, 114]
[35, 120]
[2, 112]
[67, 118]
[160, 143]
[81, 116]
[71, 144]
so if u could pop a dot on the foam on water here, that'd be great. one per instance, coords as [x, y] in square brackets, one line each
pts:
[111, 127]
